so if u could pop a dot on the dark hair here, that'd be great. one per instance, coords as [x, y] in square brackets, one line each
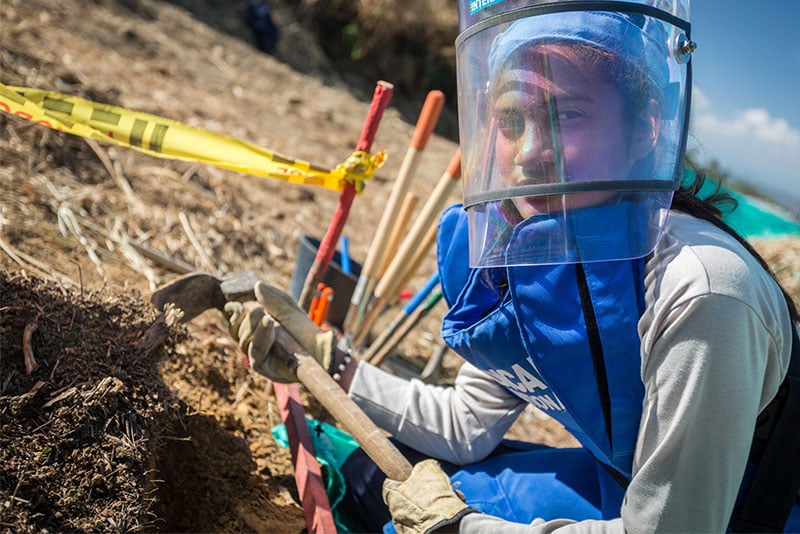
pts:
[687, 199]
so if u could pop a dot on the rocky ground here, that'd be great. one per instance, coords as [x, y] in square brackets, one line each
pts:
[110, 419]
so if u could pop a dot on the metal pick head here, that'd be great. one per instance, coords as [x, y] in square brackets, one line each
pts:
[196, 292]
[239, 286]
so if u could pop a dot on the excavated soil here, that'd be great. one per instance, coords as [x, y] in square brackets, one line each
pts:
[111, 417]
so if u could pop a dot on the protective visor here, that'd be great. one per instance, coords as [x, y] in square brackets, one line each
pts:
[573, 148]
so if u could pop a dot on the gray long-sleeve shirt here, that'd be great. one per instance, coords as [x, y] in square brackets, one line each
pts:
[715, 346]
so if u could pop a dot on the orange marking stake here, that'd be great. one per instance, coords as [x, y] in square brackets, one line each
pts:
[419, 239]
[312, 309]
[325, 300]
[429, 116]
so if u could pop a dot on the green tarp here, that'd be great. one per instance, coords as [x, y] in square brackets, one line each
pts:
[753, 218]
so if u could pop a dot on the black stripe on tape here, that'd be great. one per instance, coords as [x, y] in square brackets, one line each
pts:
[137, 132]
[106, 117]
[157, 138]
[58, 106]
[277, 158]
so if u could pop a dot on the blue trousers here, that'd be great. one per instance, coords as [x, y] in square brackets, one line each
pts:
[518, 482]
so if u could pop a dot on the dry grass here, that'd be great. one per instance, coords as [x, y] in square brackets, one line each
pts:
[783, 256]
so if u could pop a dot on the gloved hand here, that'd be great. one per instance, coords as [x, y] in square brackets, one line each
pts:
[255, 333]
[425, 502]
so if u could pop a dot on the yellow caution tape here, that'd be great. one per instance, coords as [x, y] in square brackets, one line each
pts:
[166, 138]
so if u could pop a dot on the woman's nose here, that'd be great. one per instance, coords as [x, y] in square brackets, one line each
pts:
[535, 142]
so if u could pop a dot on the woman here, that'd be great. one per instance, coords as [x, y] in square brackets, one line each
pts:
[579, 282]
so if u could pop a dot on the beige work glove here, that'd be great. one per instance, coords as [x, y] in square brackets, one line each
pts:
[425, 502]
[255, 331]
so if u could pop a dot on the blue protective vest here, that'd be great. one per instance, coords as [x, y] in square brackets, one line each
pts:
[561, 337]
[564, 338]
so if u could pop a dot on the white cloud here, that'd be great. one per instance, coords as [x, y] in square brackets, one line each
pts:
[752, 144]
[700, 100]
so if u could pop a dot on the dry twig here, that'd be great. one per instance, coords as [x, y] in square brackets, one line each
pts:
[205, 261]
[115, 170]
[68, 224]
[29, 262]
[121, 239]
[27, 349]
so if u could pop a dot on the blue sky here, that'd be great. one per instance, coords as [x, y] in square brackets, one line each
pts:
[746, 69]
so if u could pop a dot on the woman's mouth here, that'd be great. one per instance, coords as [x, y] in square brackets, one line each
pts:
[528, 206]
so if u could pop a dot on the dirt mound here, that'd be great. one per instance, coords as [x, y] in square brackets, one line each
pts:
[79, 406]
[92, 438]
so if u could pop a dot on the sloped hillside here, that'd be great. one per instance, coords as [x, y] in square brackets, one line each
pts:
[112, 420]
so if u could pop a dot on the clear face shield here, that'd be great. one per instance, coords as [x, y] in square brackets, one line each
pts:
[573, 127]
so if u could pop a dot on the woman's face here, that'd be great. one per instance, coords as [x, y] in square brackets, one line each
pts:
[558, 122]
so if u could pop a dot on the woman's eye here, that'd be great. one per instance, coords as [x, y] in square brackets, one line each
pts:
[511, 123]
[567, 114]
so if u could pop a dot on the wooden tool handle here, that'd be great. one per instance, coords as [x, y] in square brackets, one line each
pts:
[428, 117]
[327, 247]
[344, 409]
[328, 392]
[371, 270]
[427, 218]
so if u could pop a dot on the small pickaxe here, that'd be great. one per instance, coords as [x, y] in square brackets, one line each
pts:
[196, 292]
